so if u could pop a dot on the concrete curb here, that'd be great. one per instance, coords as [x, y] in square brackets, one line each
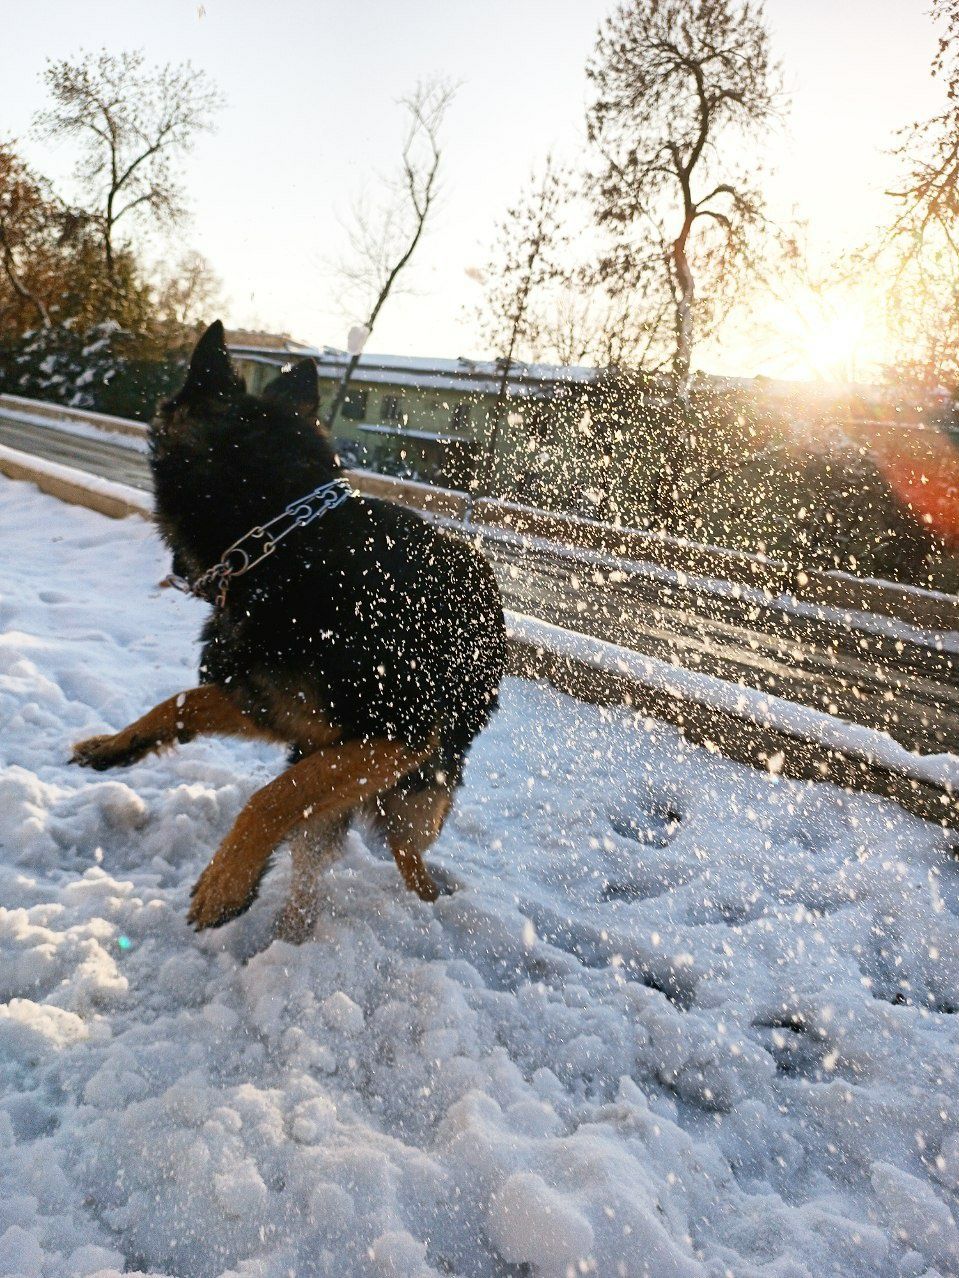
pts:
[75, 487]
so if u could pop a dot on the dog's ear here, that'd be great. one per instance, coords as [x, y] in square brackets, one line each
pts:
[212, 375]
[297, 390]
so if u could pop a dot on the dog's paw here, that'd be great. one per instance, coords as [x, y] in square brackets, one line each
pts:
[222, 891]
[101, 753]
[443, 882]
[294, 925]
[116, 750]
[425, 886]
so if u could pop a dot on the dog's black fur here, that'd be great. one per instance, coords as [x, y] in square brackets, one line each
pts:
[369, 642]
[369, 617]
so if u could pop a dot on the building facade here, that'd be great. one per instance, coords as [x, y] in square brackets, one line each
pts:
[439, 420]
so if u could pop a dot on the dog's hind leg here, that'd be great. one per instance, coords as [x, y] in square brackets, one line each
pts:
[312, 847]
[327, 784]
[412, 821]
[178, 719]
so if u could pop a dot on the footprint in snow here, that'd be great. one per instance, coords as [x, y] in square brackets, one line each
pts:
[802, 1052]
[654, 828]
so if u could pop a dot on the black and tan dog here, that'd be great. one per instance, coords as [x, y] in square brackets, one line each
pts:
[369, 642]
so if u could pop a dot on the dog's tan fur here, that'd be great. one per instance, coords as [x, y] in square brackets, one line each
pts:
[203, 710]
[328, 784]
[412, 822]
[323, 789]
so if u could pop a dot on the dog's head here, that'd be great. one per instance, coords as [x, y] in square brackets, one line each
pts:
[219, 454]
[213, 400]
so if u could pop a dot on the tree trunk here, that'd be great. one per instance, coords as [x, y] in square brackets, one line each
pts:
[20, 288]
[385, 291]
[677, 451]
[488, 463]
[684, 314]
[342, 388]
[109, 259]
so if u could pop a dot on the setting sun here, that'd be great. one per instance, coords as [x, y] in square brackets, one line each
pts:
[828, 336]
[834, 346]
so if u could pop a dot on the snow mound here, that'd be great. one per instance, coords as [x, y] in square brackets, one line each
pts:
[675, 1018]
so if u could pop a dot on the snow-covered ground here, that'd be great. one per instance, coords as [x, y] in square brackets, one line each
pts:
[676, 1018]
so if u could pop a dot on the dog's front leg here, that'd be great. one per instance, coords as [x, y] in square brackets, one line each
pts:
[178, 719]
[312, 847]
[327, 784]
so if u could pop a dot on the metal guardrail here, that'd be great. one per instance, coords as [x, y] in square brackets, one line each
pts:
[875, 653]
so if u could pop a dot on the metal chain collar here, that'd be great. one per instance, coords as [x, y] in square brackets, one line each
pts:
[239, 558]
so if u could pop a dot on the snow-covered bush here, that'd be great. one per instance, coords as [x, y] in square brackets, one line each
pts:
[66, 364]
[103, 367]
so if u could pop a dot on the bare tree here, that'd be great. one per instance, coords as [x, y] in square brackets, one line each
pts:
[191, 291]
[382, 244]
[928, 194]
[920, 248]
[679, 87]
[133, 123]
[607, 328]
[47, 249]
[525, 261]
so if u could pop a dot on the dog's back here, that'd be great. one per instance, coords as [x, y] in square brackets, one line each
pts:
[374, 621]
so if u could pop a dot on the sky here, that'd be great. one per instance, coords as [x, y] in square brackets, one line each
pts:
[312, 125]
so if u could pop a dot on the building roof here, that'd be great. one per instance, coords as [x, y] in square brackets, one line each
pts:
[464, 375]
[409, 432]
[253, 339]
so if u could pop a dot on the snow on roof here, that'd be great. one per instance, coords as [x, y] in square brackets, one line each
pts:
[857, 401]
[860, 400]
[471, 376]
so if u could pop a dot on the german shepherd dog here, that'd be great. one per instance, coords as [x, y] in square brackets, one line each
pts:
[369, 642]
